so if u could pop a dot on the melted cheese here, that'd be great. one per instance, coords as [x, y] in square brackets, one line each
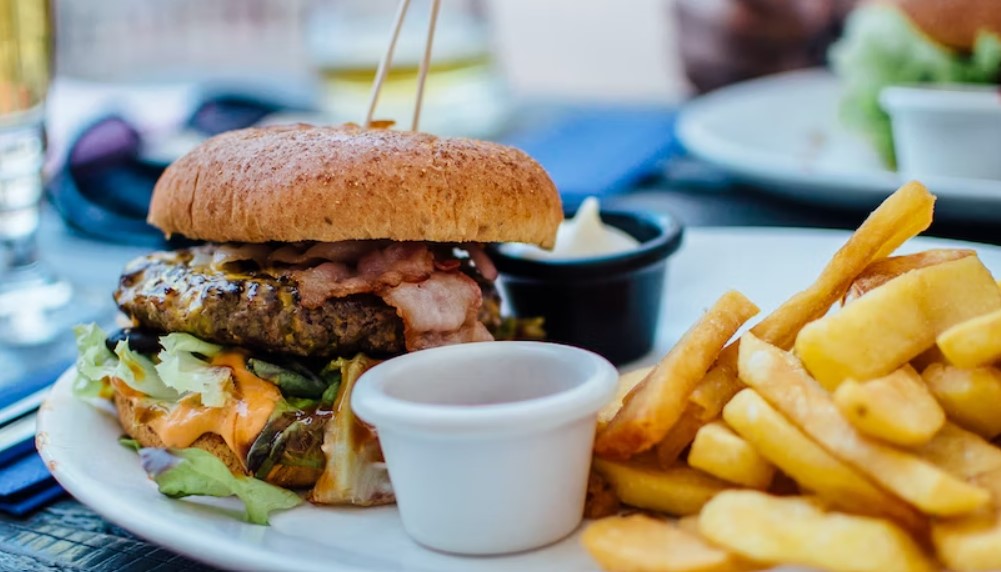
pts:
[239, 422]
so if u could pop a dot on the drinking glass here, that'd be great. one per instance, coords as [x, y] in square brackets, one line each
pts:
[465, 93]
[36, 305]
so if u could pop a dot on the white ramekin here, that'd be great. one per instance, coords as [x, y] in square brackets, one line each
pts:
[945, 130]
[488, 444]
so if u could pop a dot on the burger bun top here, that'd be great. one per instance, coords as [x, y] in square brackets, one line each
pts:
[952, 23]
[298, 182]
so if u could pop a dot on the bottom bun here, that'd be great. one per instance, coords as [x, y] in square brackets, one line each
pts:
[128, 416]
[131, 418]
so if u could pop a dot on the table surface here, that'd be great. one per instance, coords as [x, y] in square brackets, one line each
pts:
[69, 536]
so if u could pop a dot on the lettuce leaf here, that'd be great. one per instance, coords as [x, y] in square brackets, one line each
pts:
[180, 342]
[129, 443]
[355, 472]
[181, 369]
[186, 472]
[94, 362]
[139, 373]
[881, 47]
[292, 378]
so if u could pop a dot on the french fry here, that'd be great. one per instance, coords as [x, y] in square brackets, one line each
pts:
[969, 544]
[680, 436]
[972, 542]
[810, 465]
[973, 343]
[626, 383]
[718, 451]
[962, 453]
[718, 386]
[705, 404]
[904, 214]
[882, 271]
[794, 530]
[601, 499]
[782, 381]
[652, 407]
[970, 397]
[897, 408]
[894, 323]
[689, 523]
[678, 491]
[639, 543]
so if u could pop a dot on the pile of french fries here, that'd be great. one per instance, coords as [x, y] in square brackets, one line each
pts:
[856, 438]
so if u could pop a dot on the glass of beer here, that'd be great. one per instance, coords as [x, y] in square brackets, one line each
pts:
[464, 94]
[35, 304]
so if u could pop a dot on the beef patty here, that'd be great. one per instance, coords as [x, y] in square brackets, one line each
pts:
[163, 291]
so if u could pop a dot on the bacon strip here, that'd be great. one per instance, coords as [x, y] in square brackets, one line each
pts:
[379, 269]
[347, 251]
[439, 311]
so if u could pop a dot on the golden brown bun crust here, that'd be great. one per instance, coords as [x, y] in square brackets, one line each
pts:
[953, 23]
[297, 182]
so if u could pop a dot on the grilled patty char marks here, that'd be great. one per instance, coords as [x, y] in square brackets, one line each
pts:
[253, 310]
[163, 291]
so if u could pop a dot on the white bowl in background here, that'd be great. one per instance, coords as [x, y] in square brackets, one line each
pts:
[488, 444]
[951, 130]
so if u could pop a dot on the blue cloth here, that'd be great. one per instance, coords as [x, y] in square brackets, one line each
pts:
[29, 501]
[23, 474]
[25, 482]
[600, 150]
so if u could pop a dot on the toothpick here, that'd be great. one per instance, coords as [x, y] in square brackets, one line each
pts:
[425, 64]
[386, 62]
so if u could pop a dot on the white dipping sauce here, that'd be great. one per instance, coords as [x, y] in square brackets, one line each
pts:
[583, 236]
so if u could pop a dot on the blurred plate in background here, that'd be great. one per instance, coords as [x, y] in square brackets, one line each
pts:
[783, 133]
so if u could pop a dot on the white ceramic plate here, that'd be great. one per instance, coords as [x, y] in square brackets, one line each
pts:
[783, 133]
[79, 442]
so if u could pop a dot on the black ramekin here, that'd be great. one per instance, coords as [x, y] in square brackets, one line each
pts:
[607, 304]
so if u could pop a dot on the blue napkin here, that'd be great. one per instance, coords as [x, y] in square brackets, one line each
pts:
[600, 150]
[23, 474]
[32, 500]
[25, 482]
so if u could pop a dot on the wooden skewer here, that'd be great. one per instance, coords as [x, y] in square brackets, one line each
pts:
[386, 62]
[425, 64]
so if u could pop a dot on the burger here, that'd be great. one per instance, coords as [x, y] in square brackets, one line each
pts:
[894, 42]
[318, 252]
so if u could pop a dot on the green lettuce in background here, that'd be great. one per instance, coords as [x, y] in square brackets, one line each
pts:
[881, 47]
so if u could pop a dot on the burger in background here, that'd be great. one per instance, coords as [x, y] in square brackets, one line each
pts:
[906, 42]
[325, 250]
[728, 41]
